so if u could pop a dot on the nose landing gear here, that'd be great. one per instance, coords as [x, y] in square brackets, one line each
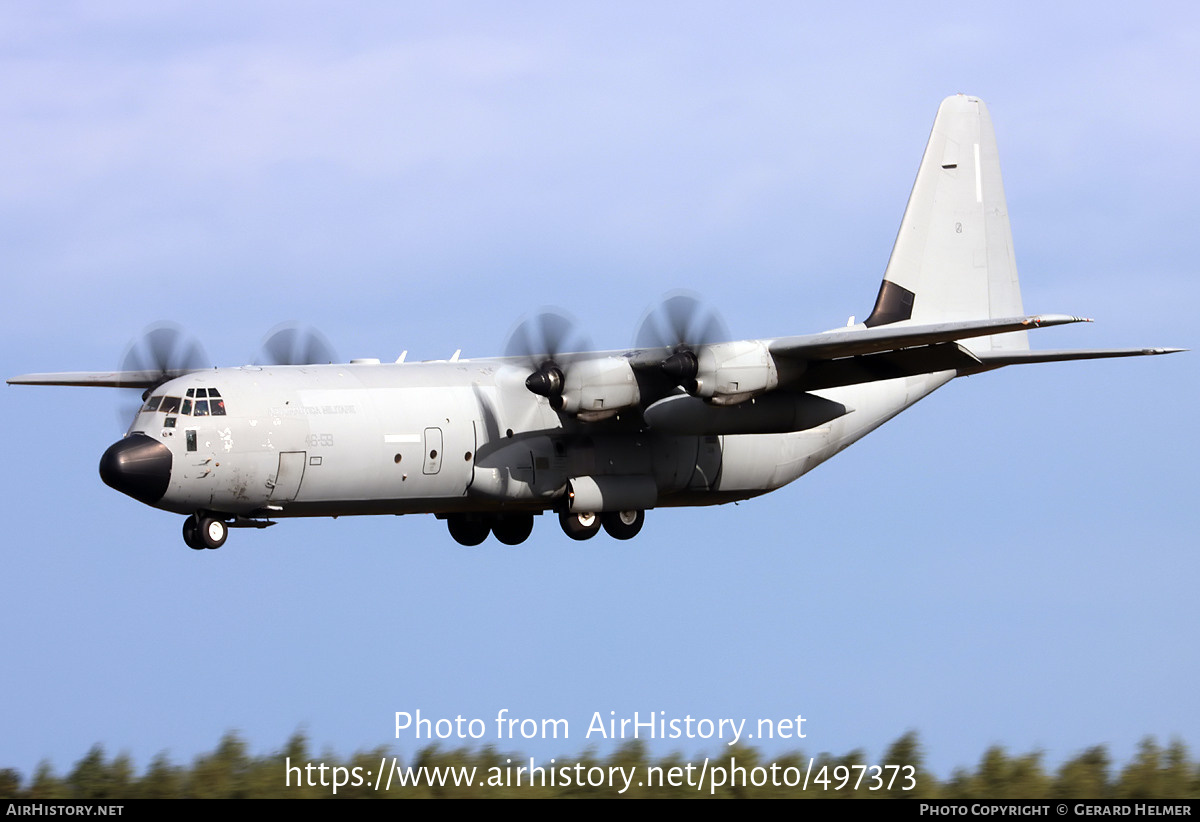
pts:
[202, 531]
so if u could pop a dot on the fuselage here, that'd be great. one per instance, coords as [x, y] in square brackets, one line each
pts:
[448, 437]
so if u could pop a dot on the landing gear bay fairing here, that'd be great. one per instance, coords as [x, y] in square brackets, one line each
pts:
[598, 438]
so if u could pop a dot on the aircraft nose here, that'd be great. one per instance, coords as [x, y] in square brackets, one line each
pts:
[138, 466]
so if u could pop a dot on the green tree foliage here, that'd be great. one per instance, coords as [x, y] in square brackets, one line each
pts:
[1182, 777]
[162, 780]
[225, 773]
[1084, 777]
[1155, 772]
[1001, 776]
[46, 785]
[10, 783]
[97, 779]
[907, 751]
[737, 771]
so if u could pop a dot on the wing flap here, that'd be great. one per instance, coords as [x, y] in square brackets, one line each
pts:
[885, 365]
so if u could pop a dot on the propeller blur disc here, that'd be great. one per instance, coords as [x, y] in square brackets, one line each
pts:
[291, 343]
[164, 349]
[680, 320]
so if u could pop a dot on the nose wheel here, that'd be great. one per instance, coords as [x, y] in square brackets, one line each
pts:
[201, 532]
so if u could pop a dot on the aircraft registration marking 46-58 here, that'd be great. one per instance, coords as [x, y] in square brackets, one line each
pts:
[599, 437]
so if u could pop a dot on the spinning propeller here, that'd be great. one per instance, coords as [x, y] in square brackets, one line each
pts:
[291, 343]
[163, 352]
[682, 323]
[541, 339]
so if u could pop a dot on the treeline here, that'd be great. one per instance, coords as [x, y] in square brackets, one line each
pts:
[230, 772]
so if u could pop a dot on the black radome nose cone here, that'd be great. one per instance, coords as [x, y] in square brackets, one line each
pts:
[137, 466]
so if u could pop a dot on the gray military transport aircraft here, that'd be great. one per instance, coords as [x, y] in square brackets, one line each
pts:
[686, 418]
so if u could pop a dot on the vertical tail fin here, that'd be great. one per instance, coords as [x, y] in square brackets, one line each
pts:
[953, 259]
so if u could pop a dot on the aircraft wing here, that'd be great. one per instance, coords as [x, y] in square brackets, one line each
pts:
[859, 341]
[857, 356]
[109, 379]
[860, 354]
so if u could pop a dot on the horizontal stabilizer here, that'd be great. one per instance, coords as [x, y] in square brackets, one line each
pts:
[997, 359]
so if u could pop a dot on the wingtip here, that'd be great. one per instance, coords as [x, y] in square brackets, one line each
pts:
[1055, 319]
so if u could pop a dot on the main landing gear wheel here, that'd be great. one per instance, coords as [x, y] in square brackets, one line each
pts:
[513, 529]
[623, 524]
[579, 526]
[189, 534]
[467, 531]
[204, 532]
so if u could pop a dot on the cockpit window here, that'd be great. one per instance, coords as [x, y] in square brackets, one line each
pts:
[193, 405]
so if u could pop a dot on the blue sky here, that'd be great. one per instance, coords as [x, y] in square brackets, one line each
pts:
[1013, 561]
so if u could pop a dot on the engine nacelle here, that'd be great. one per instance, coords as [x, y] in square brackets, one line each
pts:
[775, 413]
[597, 388]
[729, 373]
[592, 495]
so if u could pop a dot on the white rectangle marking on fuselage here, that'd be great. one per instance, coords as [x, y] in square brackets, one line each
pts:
[978, 177]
